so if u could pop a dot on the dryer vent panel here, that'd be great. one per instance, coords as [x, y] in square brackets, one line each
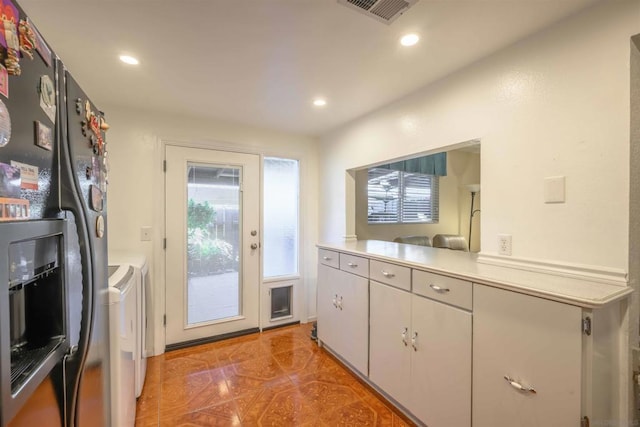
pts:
[385, 11]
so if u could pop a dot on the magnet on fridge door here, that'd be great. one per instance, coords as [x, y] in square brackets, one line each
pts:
[27, 38]
[96, 199]
[48, 97]
[10, 181]
[5, 125]
[41, 46]
[4, 81]
[44, 136]
[100, 226]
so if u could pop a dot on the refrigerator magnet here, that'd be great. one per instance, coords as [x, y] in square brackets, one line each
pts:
[48, 97]
[5, 125]
[28, 175]
[10, 181]
[27, 38]
[4, 81]
[100, 226]
[41, 46]
[44, 136]
[96, 198]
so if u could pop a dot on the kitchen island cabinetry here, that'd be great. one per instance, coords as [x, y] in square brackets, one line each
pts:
[536, 343]
[343, 314]
[420, 355]
[454, 343]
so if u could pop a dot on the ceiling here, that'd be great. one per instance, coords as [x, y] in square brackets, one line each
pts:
[261, 62]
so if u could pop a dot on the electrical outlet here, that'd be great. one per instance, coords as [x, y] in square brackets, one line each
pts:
[504, 244]
[145, 234]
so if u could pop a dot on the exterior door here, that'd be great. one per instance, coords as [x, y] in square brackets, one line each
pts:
[213, 249]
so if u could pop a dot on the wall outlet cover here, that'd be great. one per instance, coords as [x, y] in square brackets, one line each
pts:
[504, 244]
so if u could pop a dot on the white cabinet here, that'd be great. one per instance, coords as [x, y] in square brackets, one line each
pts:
[420, 355]
[389, 340]
[343, 315]
[536, 343]
[440, 364]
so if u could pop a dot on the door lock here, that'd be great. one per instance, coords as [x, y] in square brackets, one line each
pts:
[254, 246]
[254, 232]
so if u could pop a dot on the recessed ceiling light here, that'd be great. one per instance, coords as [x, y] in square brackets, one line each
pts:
[129, 60]
[319, 102]
[409, 39]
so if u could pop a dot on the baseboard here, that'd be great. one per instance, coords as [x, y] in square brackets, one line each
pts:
[208, 340]
[282, 325]
[592, 273]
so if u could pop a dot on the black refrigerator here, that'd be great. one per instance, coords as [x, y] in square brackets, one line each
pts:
[54, 349]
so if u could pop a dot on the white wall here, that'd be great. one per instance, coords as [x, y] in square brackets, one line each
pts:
[135, 193]
[556, 103]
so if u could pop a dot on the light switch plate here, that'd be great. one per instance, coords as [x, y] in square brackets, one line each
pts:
[145, 234]
[554, 189]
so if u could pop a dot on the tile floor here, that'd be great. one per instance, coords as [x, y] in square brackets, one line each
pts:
[277, 378]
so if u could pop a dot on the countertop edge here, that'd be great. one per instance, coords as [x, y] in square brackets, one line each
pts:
[613, 294]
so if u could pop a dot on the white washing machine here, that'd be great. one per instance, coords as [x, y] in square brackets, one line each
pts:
[122, 343]
[143, 295]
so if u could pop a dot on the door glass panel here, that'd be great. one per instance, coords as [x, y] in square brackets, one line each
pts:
[213, 243]
[281, 191]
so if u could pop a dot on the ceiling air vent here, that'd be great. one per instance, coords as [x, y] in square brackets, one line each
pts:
[381, 10]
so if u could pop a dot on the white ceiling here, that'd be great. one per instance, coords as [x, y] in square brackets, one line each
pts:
[261, 62]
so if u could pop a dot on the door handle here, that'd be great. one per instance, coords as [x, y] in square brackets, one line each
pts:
[335, 300]
[404, 336]
[254, 246]
[513, 383]
[414, 341]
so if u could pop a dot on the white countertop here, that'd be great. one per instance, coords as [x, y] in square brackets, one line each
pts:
[463, 265]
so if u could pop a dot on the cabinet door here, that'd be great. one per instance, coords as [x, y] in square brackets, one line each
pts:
[535, 342]
[328, 332]
[440, 364]
[389, 337]
[353, 320]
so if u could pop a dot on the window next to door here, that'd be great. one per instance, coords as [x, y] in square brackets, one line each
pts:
[281, 217]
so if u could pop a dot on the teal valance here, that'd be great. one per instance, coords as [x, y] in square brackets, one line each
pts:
[435, 164]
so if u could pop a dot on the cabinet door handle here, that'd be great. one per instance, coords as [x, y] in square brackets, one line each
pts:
[340, 303]
[513, 383]
[387, 274]
[326, 258]
[352, 265]
[404, 337]
[439, 289]
[414, 341]
[335, 301]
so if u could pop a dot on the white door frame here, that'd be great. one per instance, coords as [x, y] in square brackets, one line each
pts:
[159, 291]
[178, 329]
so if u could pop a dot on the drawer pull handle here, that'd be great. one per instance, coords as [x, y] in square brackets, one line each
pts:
[519, 386]
[387, 274]
[335, 300]
[404, 336]
[352, 265]
[340, 303]
[326, 258]
[414, 341]
[439, 289]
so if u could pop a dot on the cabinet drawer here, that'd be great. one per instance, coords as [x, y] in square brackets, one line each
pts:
[329, 258]
[442, 288]
[391, 274]
[354, 264]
